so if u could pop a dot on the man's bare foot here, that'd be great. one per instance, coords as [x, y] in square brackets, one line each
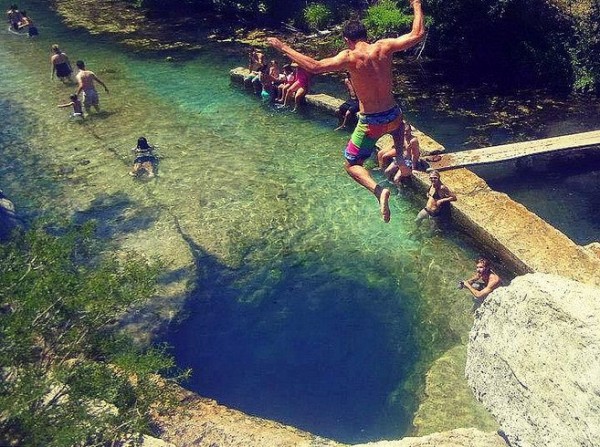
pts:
[384, 205]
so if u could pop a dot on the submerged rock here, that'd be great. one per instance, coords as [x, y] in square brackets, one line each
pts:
[534, 361]
[8, 217]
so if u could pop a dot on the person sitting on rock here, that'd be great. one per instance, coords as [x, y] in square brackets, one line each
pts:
[483, 282]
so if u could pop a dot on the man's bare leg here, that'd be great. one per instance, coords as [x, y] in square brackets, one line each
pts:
[403, 170]
[362, 176]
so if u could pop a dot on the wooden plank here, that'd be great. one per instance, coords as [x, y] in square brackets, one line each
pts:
[506, 152]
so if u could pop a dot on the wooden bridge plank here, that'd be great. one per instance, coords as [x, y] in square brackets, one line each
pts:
[512, 151]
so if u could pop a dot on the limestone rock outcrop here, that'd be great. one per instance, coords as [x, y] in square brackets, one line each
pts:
[461, 437]
[534, 361]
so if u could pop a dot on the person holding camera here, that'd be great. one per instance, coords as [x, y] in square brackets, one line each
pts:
[483, 282]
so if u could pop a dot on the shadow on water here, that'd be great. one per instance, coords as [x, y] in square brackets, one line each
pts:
[117, 214]
[20, 161]
[298, 342]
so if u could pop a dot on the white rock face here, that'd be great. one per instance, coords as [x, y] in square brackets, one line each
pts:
[534, 361]
[461, 437]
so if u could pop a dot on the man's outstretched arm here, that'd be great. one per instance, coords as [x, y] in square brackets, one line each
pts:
[336, 63]
[412, 38]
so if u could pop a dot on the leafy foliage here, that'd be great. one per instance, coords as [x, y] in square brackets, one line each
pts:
[68, 377]
[519, 43]
[317, 15]
[385, 19]
[585, 54]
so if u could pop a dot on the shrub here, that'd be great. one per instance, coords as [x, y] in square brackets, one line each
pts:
[68, 377]
[385, 18]
[317, 15]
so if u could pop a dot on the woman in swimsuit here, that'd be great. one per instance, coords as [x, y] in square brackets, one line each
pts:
[60, 64]
[144, 158]
[299, 88]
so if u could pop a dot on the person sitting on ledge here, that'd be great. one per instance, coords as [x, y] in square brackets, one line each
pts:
[483, 282]
[348, 109]
[412, 154]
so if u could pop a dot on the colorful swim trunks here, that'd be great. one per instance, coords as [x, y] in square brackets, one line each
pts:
[369, 129]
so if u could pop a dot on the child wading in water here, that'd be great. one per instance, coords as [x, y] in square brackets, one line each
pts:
[144, 158]
[77, 107]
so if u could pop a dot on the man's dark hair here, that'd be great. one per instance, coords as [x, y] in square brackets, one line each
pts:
[80, 65]
[486, 263]
[355, 30]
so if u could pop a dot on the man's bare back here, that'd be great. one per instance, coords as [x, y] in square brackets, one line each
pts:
[86, 78]
[371, 73]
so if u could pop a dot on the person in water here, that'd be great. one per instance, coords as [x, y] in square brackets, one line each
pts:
[14, 17]
[77, 107]
[60, 64]
[85, 80]
[483, 282]
[144, 158]
[370, 66]
[438, 198]
[26, 21]
[348, 109]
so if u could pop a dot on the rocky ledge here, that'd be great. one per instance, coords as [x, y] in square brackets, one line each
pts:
[534, 361]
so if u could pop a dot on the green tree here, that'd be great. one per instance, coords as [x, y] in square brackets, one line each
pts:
[385, 19]
[68, 376]
[317, 15]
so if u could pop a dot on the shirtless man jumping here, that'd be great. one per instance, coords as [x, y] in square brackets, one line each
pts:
[85, 81]
[370, 67]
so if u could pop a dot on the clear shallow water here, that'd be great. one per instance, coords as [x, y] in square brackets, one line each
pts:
[306, 307]
[567, 197]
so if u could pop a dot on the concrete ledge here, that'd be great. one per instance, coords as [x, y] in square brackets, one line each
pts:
[523, 241]
[329, 104]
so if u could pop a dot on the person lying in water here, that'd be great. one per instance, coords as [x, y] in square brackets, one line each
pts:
[144, 158]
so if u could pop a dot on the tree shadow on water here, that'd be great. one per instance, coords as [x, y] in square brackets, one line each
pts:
[23, 174]
[296, 342]
[117, 214]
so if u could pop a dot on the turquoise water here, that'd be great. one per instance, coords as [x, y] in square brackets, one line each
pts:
[303, 307]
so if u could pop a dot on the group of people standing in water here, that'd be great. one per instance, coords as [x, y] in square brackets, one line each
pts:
[86, 82]
[145, 159]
